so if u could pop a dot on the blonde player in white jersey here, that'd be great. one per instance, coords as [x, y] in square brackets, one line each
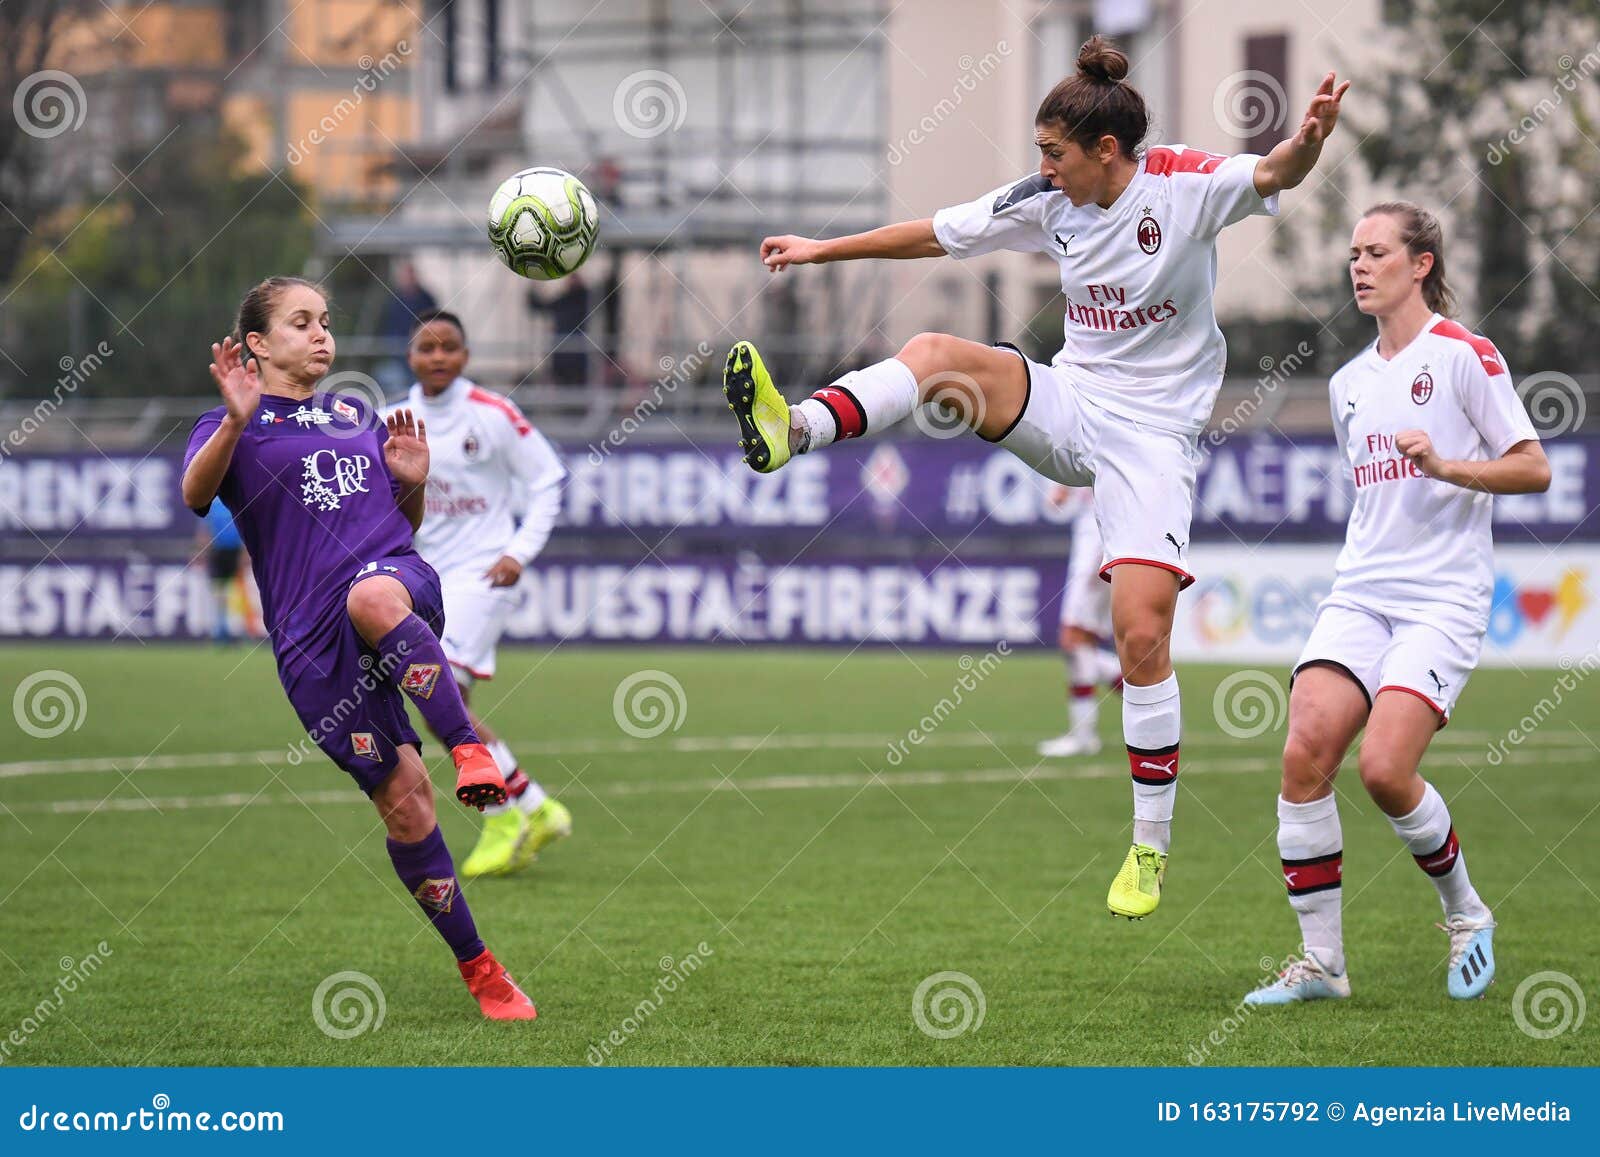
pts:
[1085, 628]
[1432, 429]
[1134, 230]
[494, 491]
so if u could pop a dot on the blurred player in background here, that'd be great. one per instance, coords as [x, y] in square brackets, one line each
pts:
[1432, 428]
[1134, 230]
[494, 492]
[1085, 629]
[326, 497]
[219, 539]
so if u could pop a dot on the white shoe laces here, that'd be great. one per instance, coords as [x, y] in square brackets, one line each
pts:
[1461, 930]
[1300, 969]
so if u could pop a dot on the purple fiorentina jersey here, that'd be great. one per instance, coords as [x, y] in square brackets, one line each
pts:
[314, 502]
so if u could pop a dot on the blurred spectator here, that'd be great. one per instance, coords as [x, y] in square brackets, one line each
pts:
[231, 613]
[407, 298]
[569, 311]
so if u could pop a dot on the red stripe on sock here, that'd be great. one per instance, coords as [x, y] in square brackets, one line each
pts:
[1314, 875]
[846, 411]
[516, 784]
[1153, 767]
[1439, 861]
[1082, 690]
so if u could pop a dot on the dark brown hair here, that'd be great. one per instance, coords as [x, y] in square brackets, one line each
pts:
[255, 311]
[1420, 233]
[1098, 100]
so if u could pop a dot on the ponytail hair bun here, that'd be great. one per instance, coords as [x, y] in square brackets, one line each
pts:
[1099, 60]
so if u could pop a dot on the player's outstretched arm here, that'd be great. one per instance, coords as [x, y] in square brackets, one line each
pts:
[405, 453]
[905, 239]
[240, 387]
[1523, 469]
[1292, 160]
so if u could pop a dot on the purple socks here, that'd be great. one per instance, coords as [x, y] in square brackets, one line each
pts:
[428, 873]
[418, 667]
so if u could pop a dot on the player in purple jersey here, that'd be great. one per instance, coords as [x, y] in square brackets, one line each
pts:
[325, 497]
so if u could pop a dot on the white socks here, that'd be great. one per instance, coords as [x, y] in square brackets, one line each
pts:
[1428, 835]
[1083, 699]
[532, 795]
[1311, 847]
[1150, 727]
[862, 402]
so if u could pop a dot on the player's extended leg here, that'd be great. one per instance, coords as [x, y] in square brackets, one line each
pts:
[422, 861]
[1398, 734]
[1081, 651]
[514, 831]
[987, 387]
[410, 657]
[1143, 602]
[1327, 709]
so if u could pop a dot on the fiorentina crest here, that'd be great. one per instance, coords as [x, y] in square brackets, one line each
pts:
[420, 679]
[436, 894]
[362, 743]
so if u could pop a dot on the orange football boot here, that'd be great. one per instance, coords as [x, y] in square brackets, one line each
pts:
[496, 993]
[478, 779]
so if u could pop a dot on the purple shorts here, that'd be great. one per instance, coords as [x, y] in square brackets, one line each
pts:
[342, 691]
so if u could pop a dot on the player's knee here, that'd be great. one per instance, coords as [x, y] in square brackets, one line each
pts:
[1142, 644]
[409, 815]
[929, 353]
[1308, 764]
[1383, 774]
[366, 602]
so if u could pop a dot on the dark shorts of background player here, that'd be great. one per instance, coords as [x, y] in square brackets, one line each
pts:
[345, 694]
[222, 562]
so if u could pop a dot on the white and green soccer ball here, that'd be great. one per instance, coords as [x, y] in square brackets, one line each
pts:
[543, 223]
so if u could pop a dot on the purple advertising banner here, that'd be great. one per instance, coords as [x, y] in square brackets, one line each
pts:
[932, 490]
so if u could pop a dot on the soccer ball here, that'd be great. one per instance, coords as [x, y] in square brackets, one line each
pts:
[543, 223]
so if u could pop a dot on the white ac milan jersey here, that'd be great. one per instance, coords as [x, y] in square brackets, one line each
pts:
[1141, 334]
[1414, 541]
[494, 482]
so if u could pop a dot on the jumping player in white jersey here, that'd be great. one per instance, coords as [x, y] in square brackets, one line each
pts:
[494, 491]
[1085, 629]
[1134, 230]
[1431, 428]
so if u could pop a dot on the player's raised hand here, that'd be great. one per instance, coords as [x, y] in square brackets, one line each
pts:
[1323, 113]
[406, 451]
[778, 253]
[237, 380]
[1418, 448]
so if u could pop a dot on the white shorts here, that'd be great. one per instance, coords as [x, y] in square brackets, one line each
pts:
[1143, 477]
[475, 617]
[1384, 653]
[1085, 600]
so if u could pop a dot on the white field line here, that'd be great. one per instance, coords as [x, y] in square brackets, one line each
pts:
[836, 780]
[280, 756]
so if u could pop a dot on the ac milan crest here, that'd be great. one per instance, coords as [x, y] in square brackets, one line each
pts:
[1422, 387]
[1149, 234]
[420, 680]
[470, 447]
[436, 894]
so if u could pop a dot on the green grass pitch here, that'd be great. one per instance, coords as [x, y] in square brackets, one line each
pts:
[227, 884]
